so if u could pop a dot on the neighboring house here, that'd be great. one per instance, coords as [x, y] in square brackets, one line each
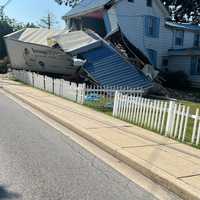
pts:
[184, 54]
[167, 45]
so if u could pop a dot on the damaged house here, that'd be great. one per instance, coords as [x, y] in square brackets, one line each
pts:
[111, 42]
[143, 30]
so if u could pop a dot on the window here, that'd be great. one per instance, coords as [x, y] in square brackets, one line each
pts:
[196, 40]
[152, 26]
[195, 65]
[131, 1]
[149, 3]
[179, 38]
[165, 62]
[152, 56]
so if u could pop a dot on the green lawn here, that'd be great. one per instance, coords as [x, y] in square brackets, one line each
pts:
[193, 106]
[99, 106]
[3, 68]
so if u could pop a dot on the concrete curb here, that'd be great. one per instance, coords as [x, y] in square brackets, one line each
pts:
[155, 174]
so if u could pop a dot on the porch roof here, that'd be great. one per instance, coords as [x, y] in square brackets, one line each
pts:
[184, 52]
[183, 26]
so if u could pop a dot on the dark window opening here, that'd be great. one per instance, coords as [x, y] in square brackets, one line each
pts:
[195, 65]
[165, 62]
[179, 38]
[196, 40]
[149, 3]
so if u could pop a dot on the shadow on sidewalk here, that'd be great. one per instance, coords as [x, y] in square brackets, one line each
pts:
[5, 194]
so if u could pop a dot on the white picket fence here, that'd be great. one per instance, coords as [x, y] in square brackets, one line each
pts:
[167, 118]
[79, 93]
[59, 87]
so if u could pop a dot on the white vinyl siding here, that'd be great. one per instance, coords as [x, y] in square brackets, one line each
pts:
[113, 18]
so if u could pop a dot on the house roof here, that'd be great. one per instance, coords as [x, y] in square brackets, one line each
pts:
[87, 6]
[109, 68]
[183, 26]
[76, 41]
[35, 35]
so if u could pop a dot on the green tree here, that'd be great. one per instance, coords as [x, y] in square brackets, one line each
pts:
[184, 10]
[70, 3]
[5, 28]
[30, 25]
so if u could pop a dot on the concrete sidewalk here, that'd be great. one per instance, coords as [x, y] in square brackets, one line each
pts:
[175, 166]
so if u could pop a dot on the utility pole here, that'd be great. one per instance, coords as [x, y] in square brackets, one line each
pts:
[48, 22]
[2, 8]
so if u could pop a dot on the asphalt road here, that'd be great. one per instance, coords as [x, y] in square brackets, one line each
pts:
[39, 163]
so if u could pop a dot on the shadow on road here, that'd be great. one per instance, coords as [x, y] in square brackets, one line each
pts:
[5, 194]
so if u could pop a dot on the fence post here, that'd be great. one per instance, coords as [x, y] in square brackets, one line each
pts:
[170, 118]
[115, 103]
[44, 82]
[82, 91]
[195, 126]
[198, 136]
[185, 125]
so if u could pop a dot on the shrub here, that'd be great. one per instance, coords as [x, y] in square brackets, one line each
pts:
[176, 80]
[3, 68]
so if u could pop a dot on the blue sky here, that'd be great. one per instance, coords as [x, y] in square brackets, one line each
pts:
[34, 10]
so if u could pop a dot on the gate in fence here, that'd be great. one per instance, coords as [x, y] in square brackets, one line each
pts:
[167, 118]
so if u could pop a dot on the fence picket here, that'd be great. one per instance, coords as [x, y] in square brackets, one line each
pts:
[129, 108]
[141, 111]
[125, 107]
[181, 123]
[185, 125]
[138, 110]
[159, 116]
[156, 114]
[132, 108]
[147, 112]
[173, 120]
[121, 106]
[115, 104]
[153, 114]
[163, 118]
[195, 126]
[135, 109]
[177, 121]
[144, 111]
[198, 136]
